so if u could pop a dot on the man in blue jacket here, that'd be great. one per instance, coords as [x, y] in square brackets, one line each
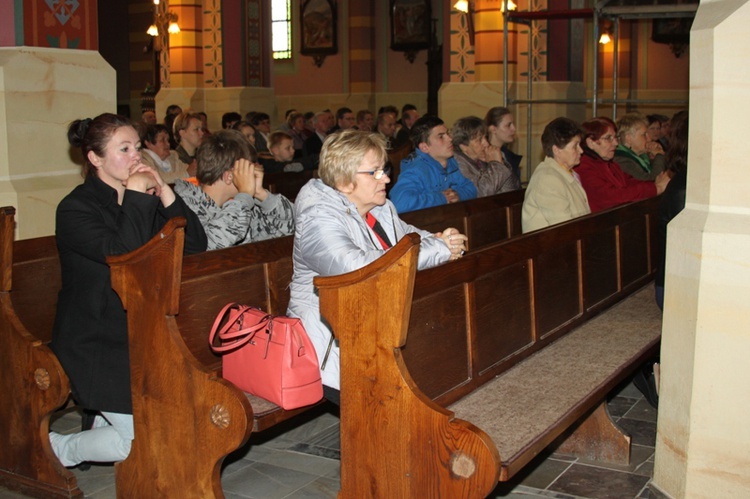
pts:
[430, 176]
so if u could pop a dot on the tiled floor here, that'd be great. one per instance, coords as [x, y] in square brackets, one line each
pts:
[301, 460]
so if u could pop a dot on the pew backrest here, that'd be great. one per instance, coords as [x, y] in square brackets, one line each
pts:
[289, 183]
[484, 220]
[32, 272]
[479, 316]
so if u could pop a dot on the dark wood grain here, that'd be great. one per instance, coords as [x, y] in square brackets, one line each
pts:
[31, 378]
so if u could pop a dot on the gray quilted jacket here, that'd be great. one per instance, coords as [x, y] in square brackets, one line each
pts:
[331, 238]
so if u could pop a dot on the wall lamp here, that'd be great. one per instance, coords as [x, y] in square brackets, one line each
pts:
[163, 21]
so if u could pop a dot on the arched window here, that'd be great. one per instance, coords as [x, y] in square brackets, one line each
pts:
[281, 29]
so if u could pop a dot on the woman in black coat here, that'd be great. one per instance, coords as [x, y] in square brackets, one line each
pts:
[121, 204]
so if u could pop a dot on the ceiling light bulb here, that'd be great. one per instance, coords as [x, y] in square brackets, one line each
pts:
[462, 6]
[605, 38]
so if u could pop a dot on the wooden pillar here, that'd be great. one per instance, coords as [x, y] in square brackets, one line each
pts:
[50, 74]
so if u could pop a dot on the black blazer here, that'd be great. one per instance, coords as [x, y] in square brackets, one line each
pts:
[311, 151]
[90, 335]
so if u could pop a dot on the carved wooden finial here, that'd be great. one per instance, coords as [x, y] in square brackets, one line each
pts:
[463, 466]
[220, 416]
[42, 378]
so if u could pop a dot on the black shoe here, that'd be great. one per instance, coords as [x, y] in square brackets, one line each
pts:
[645, 382]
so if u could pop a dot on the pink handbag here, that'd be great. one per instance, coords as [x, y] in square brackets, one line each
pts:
[268, 356]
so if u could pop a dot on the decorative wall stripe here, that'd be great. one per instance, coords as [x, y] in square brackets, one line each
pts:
[254, 38]
[213, 57]
[461, 52]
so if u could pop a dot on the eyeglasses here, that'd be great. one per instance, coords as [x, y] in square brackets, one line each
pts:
[608, 138]
[379, 173]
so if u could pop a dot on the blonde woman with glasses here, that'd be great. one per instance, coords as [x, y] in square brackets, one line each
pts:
[344, 222]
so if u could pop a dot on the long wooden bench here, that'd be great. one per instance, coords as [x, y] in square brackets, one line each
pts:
[456, 377]
[257, 274]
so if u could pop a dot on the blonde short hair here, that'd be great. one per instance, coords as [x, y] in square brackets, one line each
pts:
[343, 153]
[629, 123]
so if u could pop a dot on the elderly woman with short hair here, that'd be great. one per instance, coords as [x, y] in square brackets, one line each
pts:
[344, 222]
[479, 161]
[637, 154]
[605, 183]
[554, 194]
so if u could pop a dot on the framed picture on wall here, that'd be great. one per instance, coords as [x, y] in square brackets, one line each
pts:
[410, 25]
[319, 29]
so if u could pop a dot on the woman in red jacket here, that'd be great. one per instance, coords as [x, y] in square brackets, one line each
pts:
[606, 185]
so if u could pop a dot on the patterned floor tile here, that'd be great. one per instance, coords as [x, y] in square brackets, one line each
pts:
[266, 481]
[588, 481]
[619, 406]
[642, 411]
[322, 488]
[641, 432]
[638, 455]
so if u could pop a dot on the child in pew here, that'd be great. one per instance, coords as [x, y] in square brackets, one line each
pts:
[230, 200]
[121, 204]
[280, 155]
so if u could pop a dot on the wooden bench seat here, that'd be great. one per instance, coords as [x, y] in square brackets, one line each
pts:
[571, 375]
[455, 377]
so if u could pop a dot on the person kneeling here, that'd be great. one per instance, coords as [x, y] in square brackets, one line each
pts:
[230, 200]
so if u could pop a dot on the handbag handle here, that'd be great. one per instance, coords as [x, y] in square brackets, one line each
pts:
[241, 337]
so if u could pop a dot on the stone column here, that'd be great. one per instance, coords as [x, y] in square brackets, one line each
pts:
[46, 81]
[703, 432]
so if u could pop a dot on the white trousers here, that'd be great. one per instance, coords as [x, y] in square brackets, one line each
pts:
[108, 441]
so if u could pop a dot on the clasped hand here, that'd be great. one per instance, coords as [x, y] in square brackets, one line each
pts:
[455, 241]
[145, 179]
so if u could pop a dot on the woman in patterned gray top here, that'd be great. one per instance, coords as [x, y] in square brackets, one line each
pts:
[230, 200]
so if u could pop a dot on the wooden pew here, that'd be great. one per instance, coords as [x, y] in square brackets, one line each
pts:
[31, 377]
[395, 157]
[257, 274]
[288, 184]
[484, 220]
[503, 358]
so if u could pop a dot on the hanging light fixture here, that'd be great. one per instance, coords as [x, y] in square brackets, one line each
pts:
[163, 21]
